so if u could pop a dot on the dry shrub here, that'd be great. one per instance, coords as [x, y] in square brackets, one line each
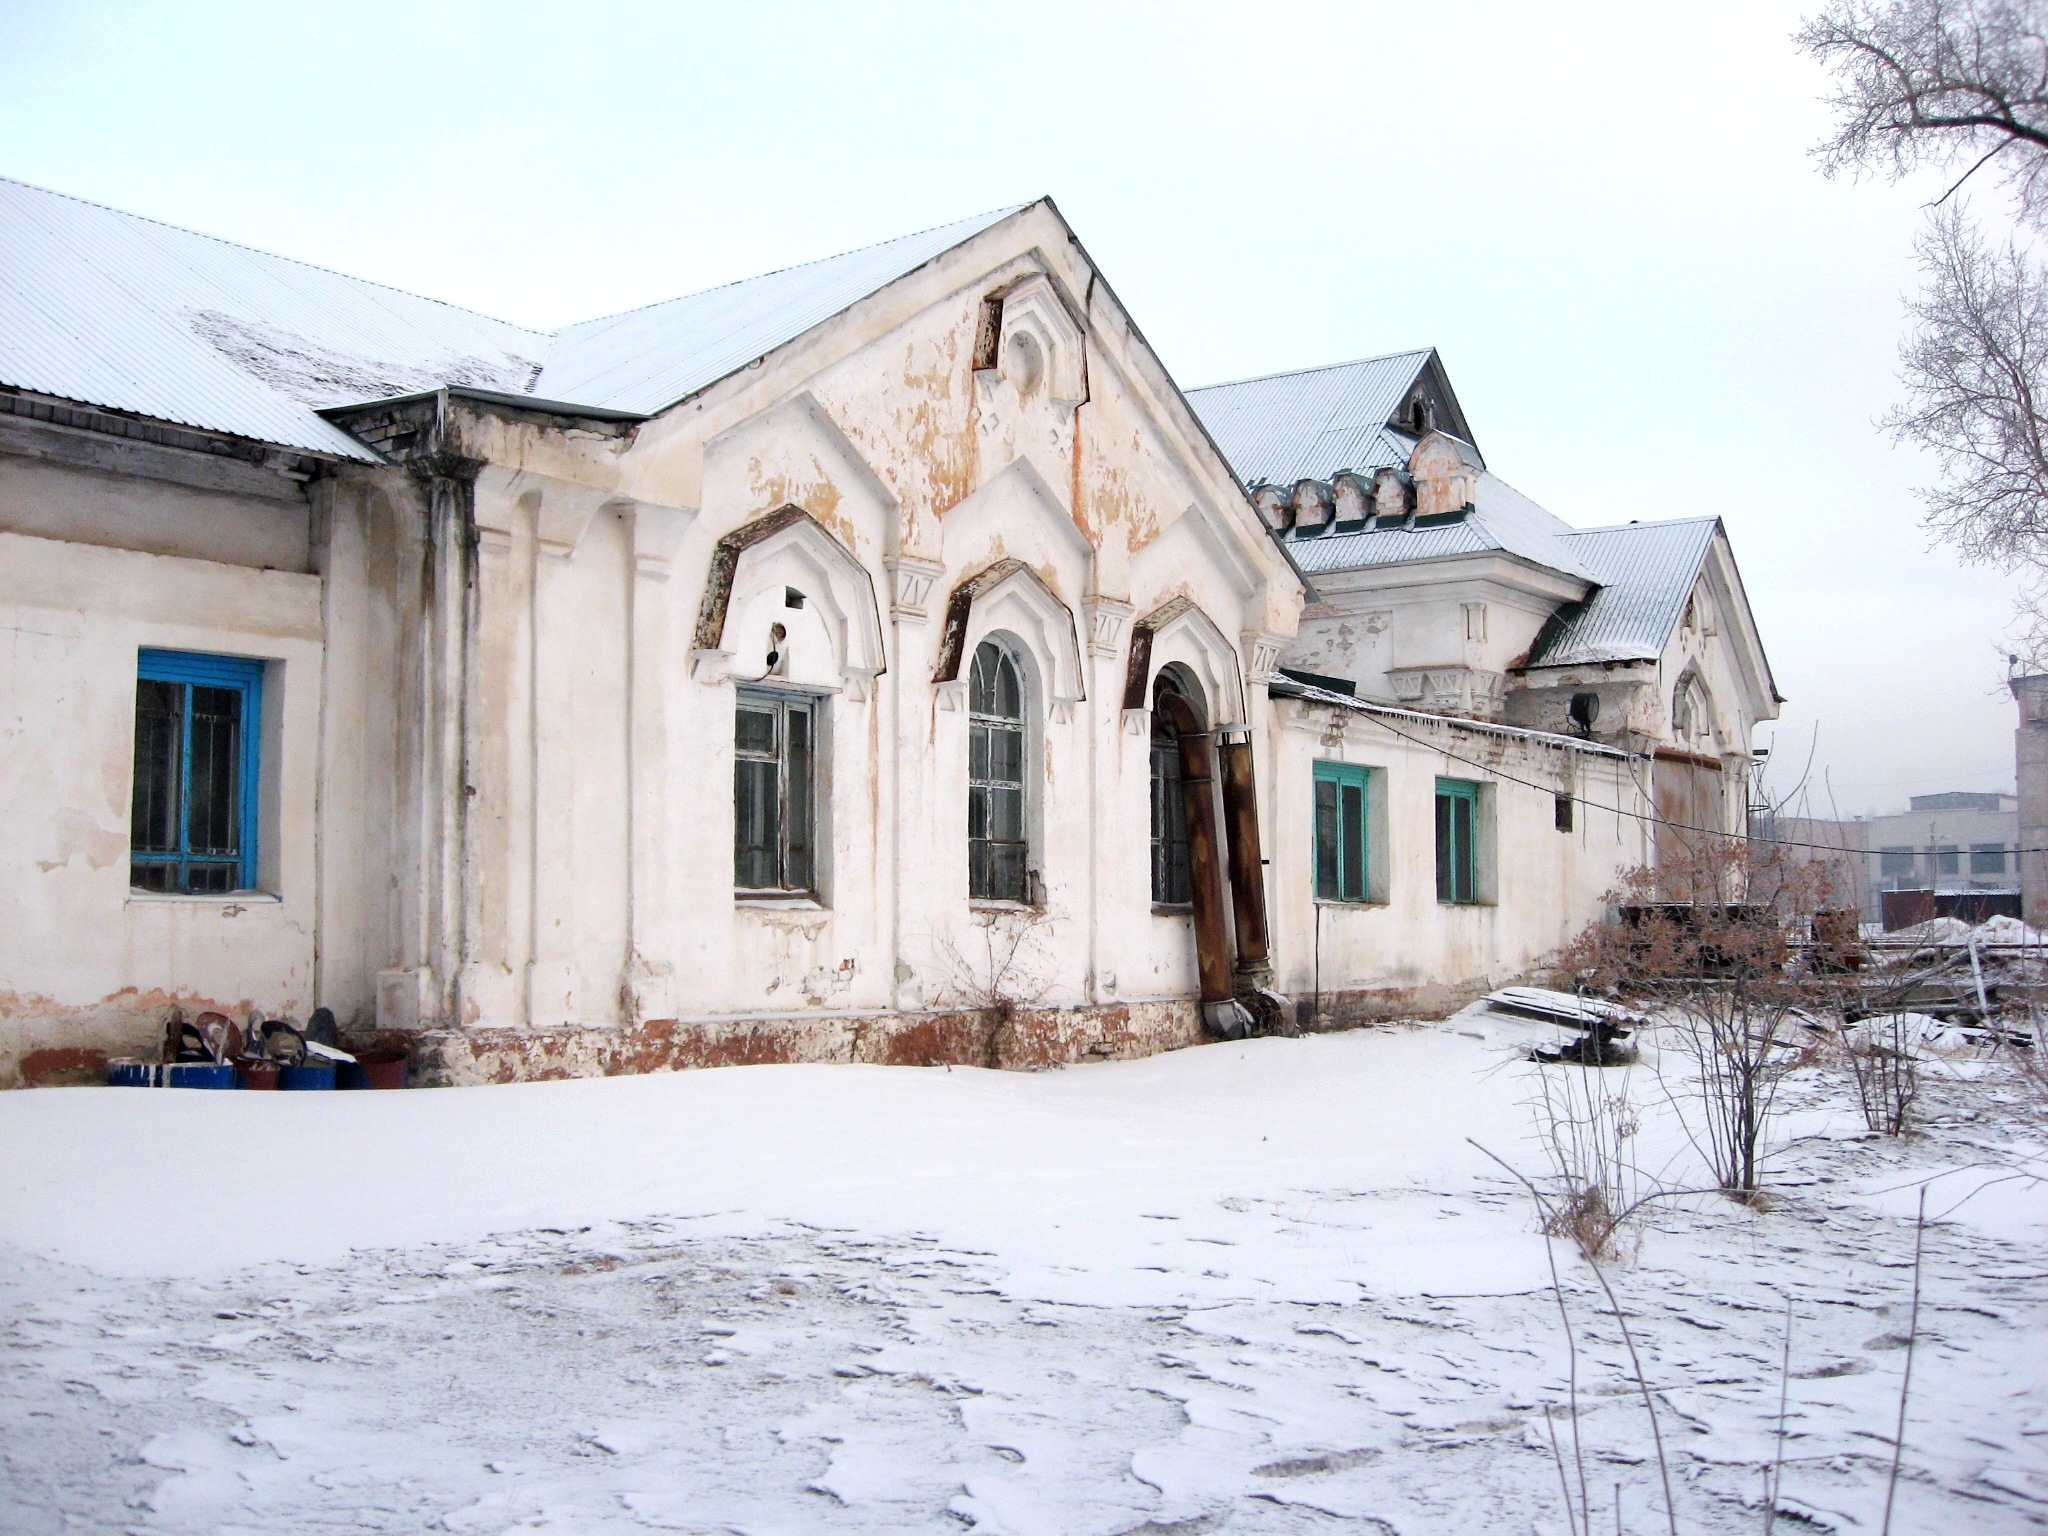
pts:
[1586, 1121]
[1705, 939]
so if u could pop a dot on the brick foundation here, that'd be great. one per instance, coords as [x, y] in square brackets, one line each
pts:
[1027, 1039]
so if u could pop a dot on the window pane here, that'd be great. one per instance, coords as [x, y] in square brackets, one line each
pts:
[1169, 826]
[995, 871]
[1463, 868]
[153, 877]
[1351, 816]
[1947, 859]
[797, 868]
[1987, 859]
[1444, 883]
[754, 730]
[213, 879]
[1006, 814]
[153, 821]
[1009, 690]
[1326, 840]
[755, 824]
[1005, 756]
[213, 809]
[981, 681]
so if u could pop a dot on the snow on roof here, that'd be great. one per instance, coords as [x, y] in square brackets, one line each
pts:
[647, 359]
[1311, 424]
[116, 310]
[1502, 518]
[1646, 572]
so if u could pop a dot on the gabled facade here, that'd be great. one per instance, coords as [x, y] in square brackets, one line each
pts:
[1584, 699]
[876, 660]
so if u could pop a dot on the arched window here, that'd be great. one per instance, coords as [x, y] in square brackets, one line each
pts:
[1171, 883]
[998, 855]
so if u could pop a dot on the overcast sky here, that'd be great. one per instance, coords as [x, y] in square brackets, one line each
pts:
[1606, 217]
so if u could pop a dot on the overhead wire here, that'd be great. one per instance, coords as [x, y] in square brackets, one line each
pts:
[1651, 818]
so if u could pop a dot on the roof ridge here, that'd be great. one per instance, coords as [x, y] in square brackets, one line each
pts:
[1661, 522]
[993, 216]
[255, 250]
[1292, 373]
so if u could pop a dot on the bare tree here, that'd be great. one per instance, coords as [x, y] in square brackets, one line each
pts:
[1976, 369]
[1938, 83]
[1962, 85]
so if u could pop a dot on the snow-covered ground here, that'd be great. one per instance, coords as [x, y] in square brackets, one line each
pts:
[1266, 1287]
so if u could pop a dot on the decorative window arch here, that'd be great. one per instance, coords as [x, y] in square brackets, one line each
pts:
[1692, 712]
[1011, 597]
[790, 554]
[1179, 632]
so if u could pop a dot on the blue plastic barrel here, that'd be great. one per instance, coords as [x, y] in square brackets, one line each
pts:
[199, 1074]
[306, 1079]
[132, 1074]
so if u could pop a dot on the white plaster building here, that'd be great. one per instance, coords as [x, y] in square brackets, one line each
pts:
[774, 673]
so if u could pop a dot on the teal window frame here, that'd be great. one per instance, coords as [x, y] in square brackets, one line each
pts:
[1457, 842]
[176, 856]
[1341, 850]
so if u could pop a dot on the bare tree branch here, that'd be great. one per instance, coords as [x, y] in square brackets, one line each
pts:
[1935, 82]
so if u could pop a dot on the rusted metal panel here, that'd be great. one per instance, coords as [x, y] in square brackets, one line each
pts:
[1138, 669]
[1205, 865]
[1247, 864]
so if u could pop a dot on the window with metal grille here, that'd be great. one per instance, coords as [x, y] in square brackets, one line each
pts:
[1457, 841]
[1343, 800]
[774, 793]
[192, 819]
[1987, 858]
[998, 856]
[1172, 886]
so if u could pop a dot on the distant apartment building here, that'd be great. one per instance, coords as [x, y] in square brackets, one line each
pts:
[1949, 845]
[1943, 843]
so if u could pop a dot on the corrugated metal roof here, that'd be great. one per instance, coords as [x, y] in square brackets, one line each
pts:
[116, 310]
[112, 309]
[1646, 571]
[1502, 518]
[647, 359]
[1309, 425]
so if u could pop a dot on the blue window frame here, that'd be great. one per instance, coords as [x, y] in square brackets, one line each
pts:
[1343, 832]
[1457, 841]
[198, 730]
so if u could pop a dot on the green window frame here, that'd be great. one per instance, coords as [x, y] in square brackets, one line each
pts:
[1343, 832]
[1457, 841]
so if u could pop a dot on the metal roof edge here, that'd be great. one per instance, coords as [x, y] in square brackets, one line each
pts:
[114, 413]
[1287, 688]
[1290, 373]
[489, 397]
